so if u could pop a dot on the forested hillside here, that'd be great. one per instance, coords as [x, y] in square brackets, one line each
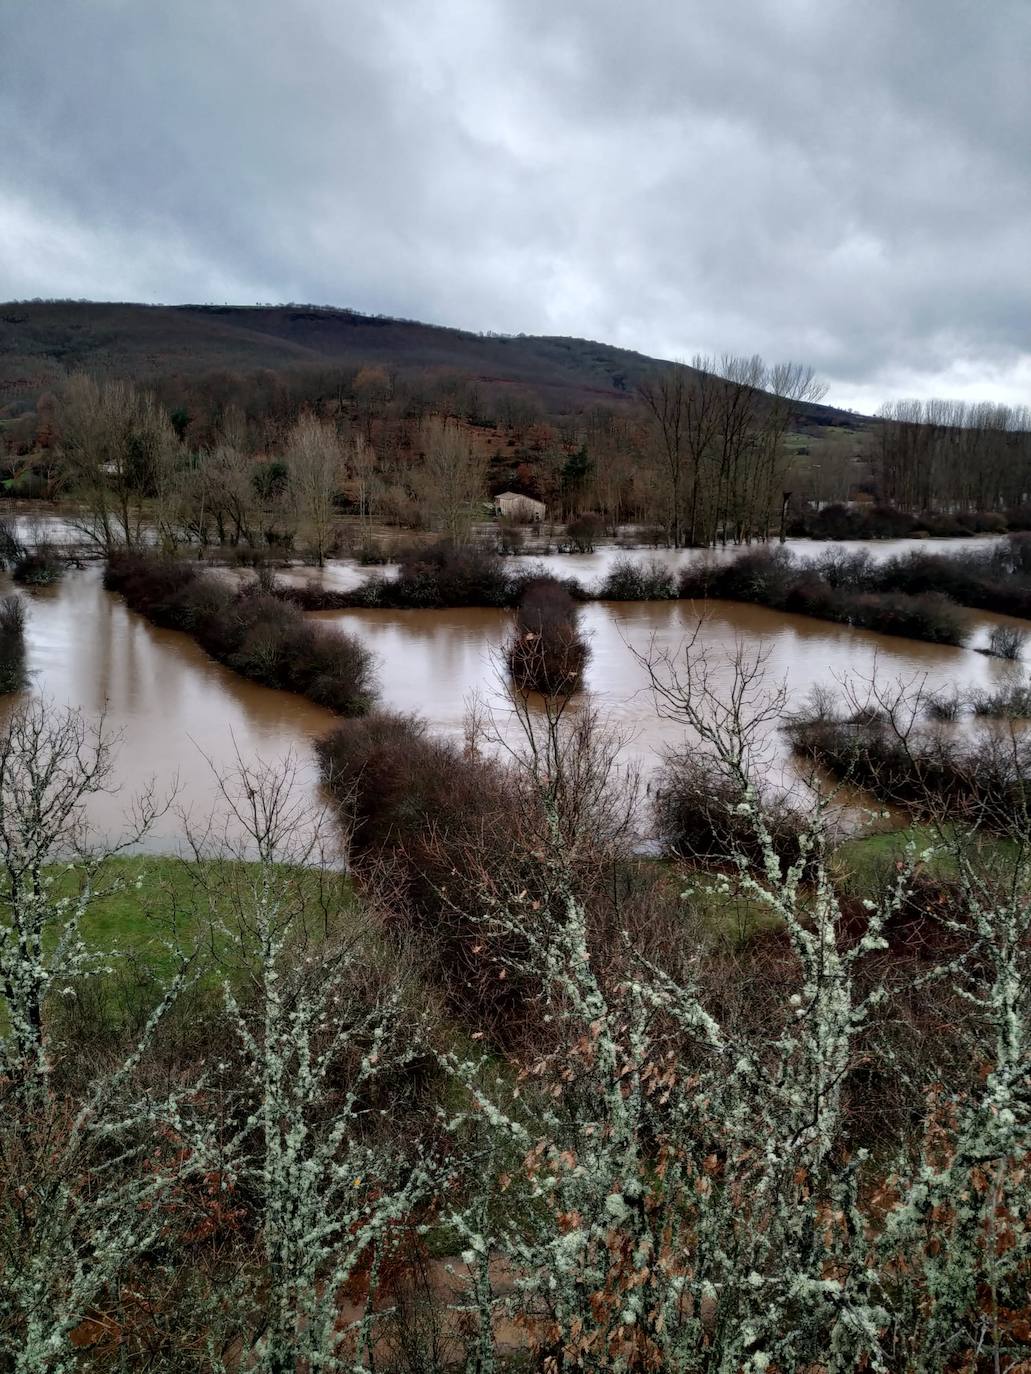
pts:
[42, 342]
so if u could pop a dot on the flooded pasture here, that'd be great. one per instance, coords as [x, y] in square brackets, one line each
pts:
[182, 718]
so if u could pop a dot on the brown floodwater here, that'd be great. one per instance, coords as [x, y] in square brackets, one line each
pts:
[436, 663]
[178, 716]
[181, 717]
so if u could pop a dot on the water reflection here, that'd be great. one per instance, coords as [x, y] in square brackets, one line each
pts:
[178, 714]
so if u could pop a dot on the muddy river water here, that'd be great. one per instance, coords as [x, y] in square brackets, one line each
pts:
[180, 717]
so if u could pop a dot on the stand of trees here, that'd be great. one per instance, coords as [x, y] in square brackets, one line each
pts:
[699, 454]
[948, 455]
[717, 439]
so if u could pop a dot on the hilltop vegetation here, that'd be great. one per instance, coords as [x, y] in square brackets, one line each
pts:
[42, 342]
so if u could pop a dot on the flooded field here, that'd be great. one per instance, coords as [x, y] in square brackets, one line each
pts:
[181, 717]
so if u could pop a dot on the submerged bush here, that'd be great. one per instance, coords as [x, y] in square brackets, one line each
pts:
[845, 587]
[547, 654]
[944, 705]
[38, 567]
[1012, 702]
[929, 772]
[632, 579]
[12, 643]
[1006, 641]
[446, 574]
[259, 635]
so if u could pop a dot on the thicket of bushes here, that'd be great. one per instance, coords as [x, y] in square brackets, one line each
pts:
[428, 824]
[991, 579]
[697, 817]
[830, 590]
[986, 781]
[837, 521]
[252, 631]
[631, 579]
[547, 653]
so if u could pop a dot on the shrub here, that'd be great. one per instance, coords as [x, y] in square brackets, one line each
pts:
[12, 643]
[1011, 703]
[697, 818]
[930, 617]
[547, 653]
[929, 773]
[1006, 641]
[38, 567]
[511, 536]
[943, 706]
[370, 552]
[431, 825]
[637, 580]
[446, 574]
[584, 532]
[763, 575]
[844, 569]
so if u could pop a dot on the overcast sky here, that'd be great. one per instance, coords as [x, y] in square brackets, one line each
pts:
[846, 182]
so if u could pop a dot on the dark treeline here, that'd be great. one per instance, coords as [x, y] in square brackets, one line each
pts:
[726, 450]
[256, 634]
[954, 457]
[838, 521]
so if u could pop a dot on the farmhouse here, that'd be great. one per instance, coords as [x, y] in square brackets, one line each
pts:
[513, 505]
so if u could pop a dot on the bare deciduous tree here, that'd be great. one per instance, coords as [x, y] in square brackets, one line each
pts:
[451, 481]
[316, 462]
[118, 447]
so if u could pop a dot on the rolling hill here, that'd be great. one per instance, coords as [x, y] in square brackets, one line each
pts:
[41, 342]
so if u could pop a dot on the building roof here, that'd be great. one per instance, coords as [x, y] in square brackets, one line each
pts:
[518, 496]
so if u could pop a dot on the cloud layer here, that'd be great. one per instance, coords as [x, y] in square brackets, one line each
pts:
[846, 182]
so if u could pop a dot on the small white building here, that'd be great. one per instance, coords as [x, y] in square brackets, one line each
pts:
[513, 505]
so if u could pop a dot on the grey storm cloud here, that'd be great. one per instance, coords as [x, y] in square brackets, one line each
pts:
[846, 183]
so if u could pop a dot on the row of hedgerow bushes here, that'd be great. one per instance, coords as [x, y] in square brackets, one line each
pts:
[914, 596]
[432, 576]
[835, 589]
[838, 521]
[253, 632]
